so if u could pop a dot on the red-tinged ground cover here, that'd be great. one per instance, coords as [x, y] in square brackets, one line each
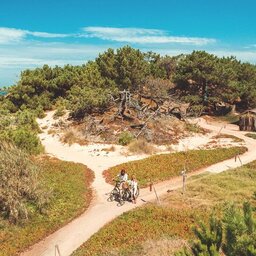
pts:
[70, 196]
[163, 167]
[128, 232]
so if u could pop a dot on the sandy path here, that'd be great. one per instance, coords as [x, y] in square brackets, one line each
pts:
[230, 129]
[71, 236]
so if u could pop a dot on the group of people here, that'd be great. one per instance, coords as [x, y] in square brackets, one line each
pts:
[132, 183]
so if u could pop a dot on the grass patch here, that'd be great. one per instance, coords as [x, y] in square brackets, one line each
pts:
[194, 128]
[227, 136]
[165, 166]
[237, 185]
[251, 135]
[141, 147]
[71, 195]
[127, 234]
[71, 136]
[229, 118]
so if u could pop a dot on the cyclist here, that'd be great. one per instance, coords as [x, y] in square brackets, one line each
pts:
[122, 176]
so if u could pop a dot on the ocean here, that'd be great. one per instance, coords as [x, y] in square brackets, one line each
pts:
[2, 93]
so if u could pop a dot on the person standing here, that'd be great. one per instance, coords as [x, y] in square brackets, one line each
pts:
[134, 188]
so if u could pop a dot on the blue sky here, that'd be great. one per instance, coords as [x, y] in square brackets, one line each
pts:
[59, 32]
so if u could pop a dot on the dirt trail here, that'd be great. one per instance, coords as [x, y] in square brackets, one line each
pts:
[75, 233]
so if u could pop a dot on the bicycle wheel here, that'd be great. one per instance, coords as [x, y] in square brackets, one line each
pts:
[111, 197]
[125, 195]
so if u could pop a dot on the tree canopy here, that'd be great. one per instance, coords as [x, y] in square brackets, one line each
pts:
[201, 79]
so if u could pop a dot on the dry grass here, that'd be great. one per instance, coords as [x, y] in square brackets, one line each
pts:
[52, 131]
[164, 247]
[69, 137]
[72, 136]
[110, 149]
[141, 147]
[20, 187]
[44, 127]
[206, 191]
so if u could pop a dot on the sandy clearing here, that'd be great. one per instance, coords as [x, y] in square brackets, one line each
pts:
[100, 212]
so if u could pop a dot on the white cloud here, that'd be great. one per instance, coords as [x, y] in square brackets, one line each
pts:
[142, 36]
[127, 35]
[47, 35]
[11, 35]
[8, 35]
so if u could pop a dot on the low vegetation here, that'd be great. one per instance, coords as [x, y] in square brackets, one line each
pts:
[132, 229]
[162, 167]
[72, 136]
[21, 130]
[251, 135]
[207, 82]
[20, 189]
[170, 224]
[125, 138]
[228, 136]
[141, 146]
[193, 128]
[233, 234]
[229, 118]
[207, 190]
[70, 195]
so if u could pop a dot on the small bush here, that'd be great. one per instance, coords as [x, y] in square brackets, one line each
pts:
[26, 140]
[60, 111]
[40, 112]
[141, 147]
[194, 128]
[19, 185]
[125, 138]
[69, 137]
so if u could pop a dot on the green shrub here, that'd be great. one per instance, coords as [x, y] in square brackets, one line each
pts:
[60, 111]
[26, 118]
[194, 128]
[125, 138]
[40, 112]
[86, 100]
[239, 234]
[26, 140]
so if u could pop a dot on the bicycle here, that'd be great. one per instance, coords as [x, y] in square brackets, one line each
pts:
[122, 193]
[116, 193]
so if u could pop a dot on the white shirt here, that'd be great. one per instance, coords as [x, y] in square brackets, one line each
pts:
[133, 184]
[123, 177]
